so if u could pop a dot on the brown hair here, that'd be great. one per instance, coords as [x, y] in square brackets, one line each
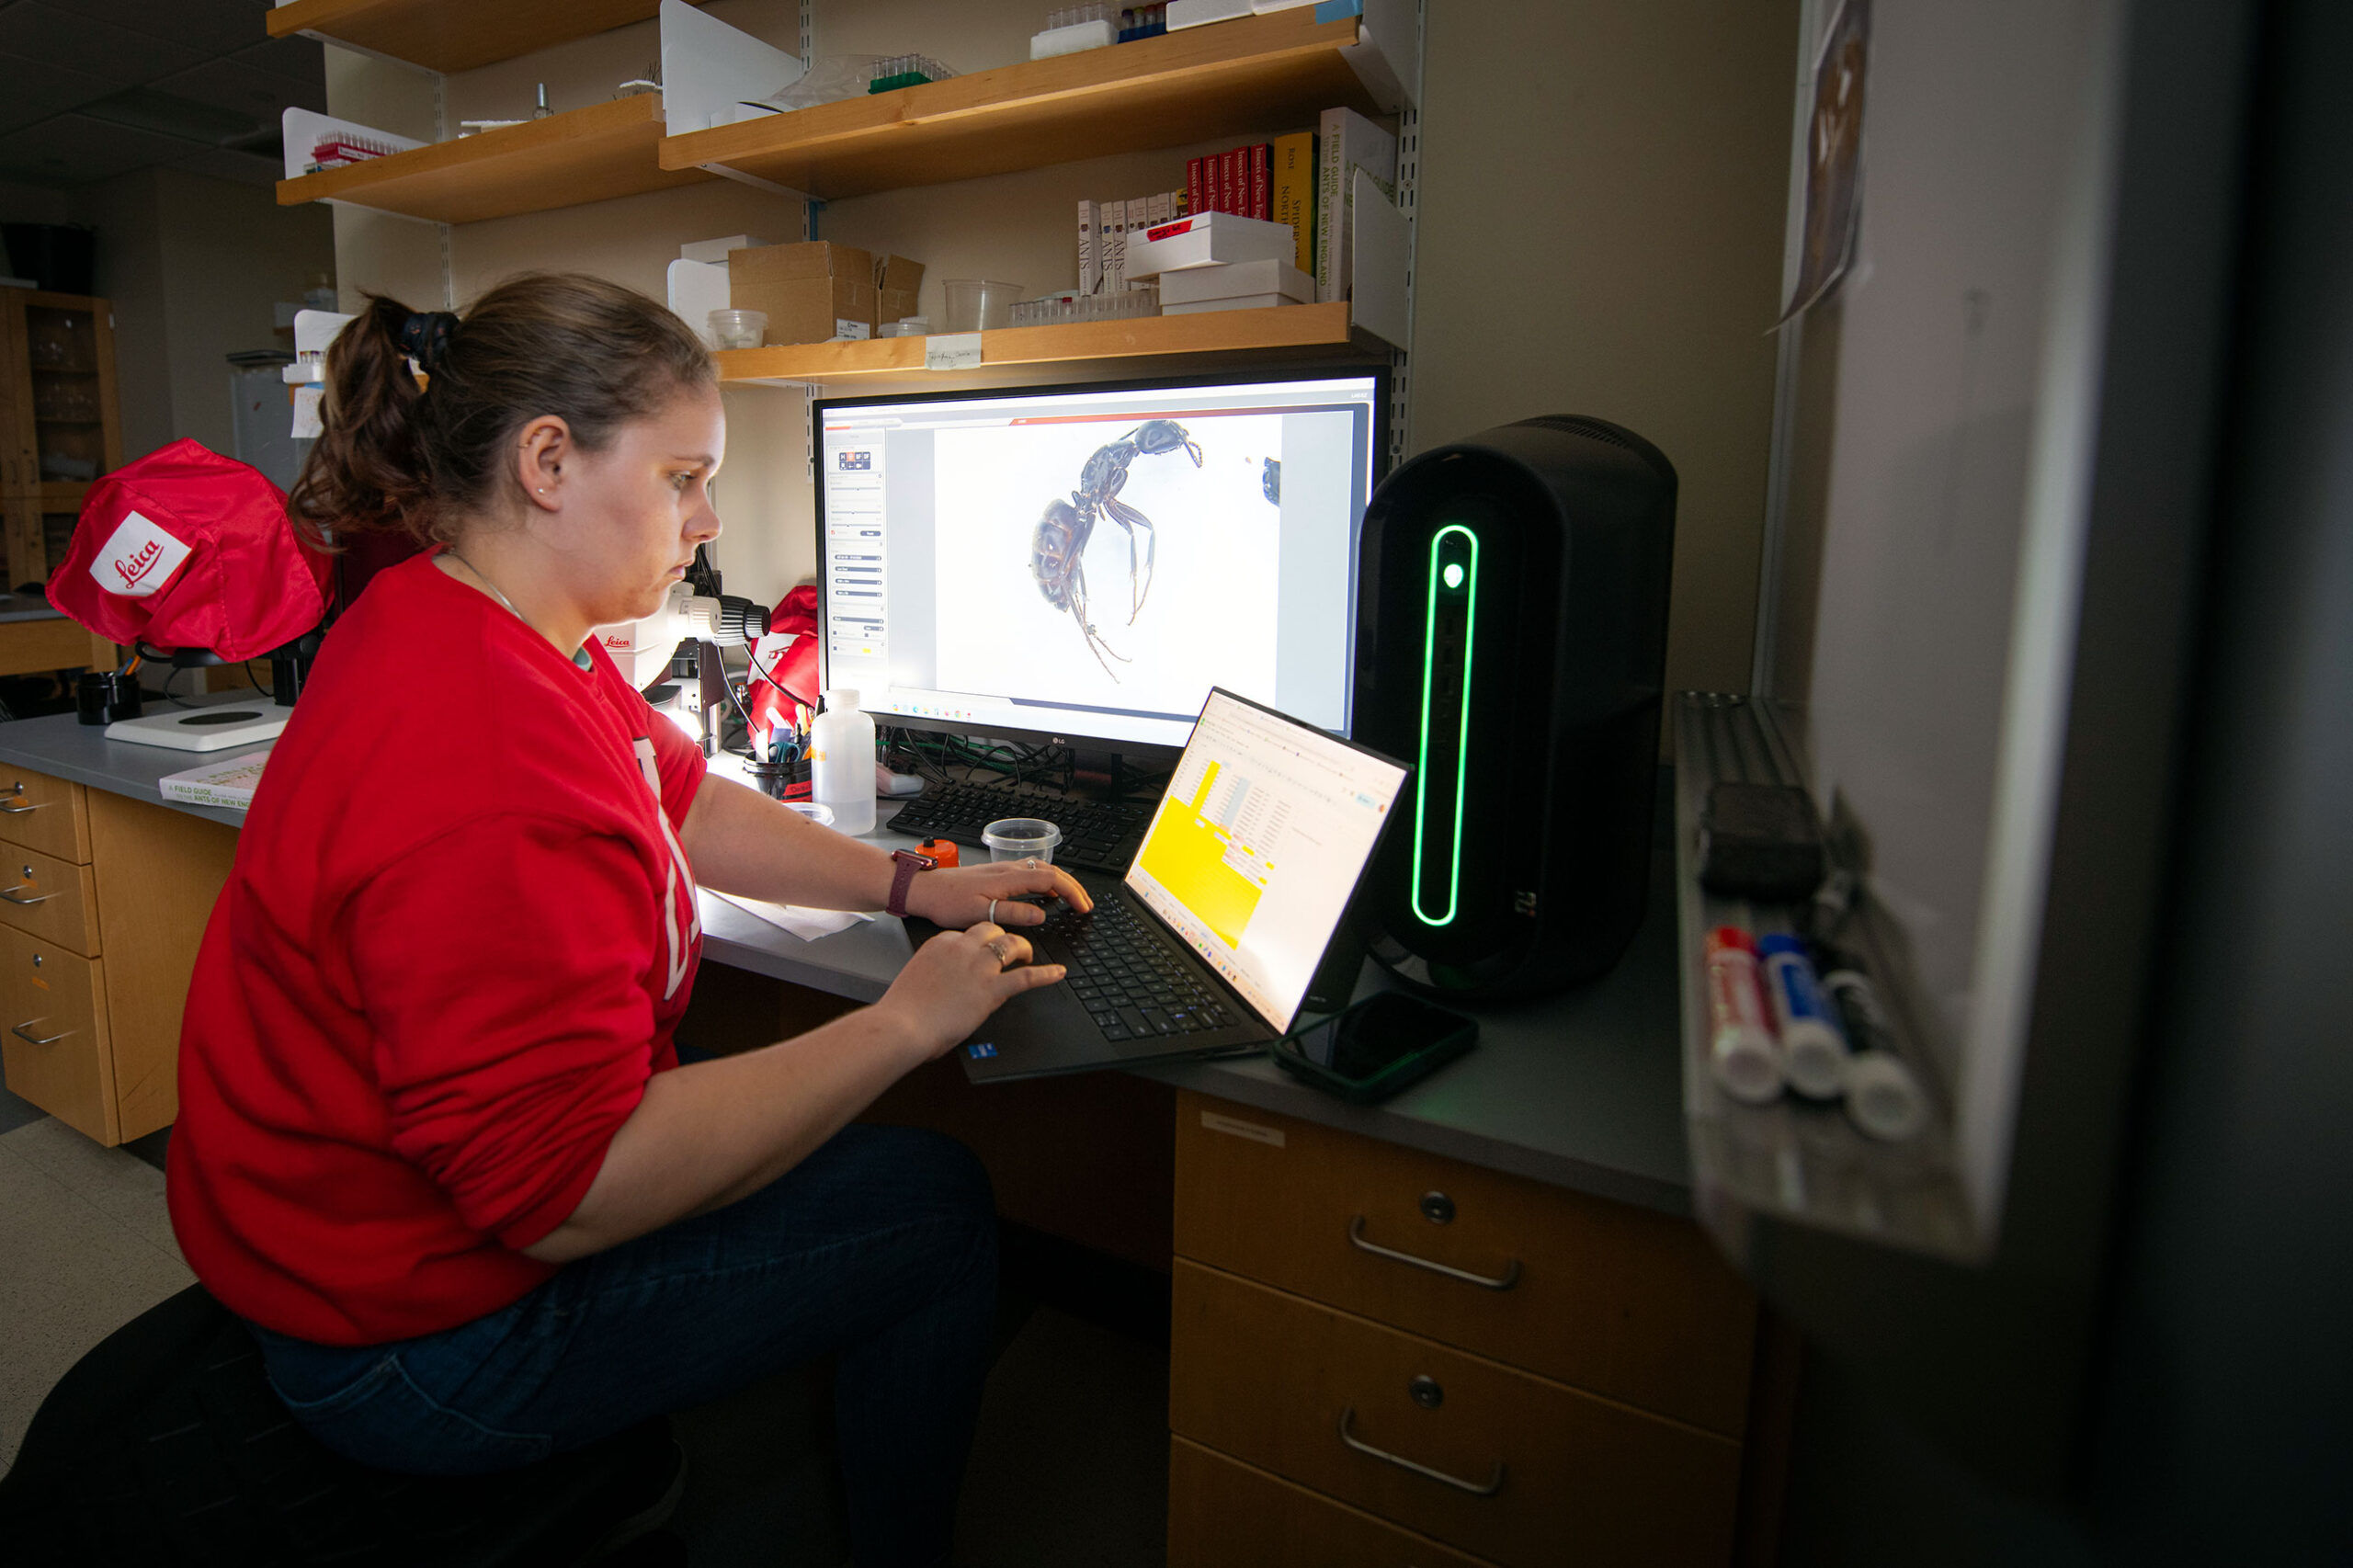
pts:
[395, 456]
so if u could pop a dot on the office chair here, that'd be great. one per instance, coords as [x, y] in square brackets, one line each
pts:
[166, 1445]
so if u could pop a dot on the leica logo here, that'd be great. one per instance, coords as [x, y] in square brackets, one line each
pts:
[138, 559]
[139, 565]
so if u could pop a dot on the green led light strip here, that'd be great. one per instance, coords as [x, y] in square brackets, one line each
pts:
[1463, 738]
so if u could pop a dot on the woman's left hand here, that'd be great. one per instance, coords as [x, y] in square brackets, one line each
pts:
[958, 897]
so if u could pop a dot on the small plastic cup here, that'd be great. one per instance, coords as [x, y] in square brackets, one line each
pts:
[976, 304]
[739, 329]
[1022, 838]
[822, 815]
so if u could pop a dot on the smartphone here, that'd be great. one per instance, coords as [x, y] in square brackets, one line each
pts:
[1377, 1047]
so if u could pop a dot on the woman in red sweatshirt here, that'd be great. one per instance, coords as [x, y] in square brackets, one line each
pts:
[435, 1145]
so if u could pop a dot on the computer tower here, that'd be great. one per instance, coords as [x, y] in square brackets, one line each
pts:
[1511, 638]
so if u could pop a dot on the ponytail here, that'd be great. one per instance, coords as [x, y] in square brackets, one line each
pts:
[394, 456]
[365, 472]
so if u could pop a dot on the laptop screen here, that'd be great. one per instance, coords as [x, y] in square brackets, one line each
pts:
[1257, 846]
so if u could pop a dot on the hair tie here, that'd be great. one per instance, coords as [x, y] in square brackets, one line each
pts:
[425, 337]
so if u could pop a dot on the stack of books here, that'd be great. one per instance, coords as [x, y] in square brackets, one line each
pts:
[1304, 182]
[1103, 230]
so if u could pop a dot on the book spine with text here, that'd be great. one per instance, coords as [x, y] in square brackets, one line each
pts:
[1261, 182]
[1111, 238]
[1193, 185]
[1090, 259]
[1294, 189]
[1139, 219]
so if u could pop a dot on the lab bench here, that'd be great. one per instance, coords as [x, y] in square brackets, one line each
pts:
[1473, 1325]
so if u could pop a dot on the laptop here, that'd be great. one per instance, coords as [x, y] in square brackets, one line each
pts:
[1232, 913]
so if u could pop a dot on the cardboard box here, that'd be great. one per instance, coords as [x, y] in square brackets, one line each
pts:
[1233, 280]
[1204, 240]
[811, 291]
[897, 283]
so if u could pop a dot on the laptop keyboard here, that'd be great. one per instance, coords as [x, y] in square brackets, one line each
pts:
[1099, 835]
[1121, 968]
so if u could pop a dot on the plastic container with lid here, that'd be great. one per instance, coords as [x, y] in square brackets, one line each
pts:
[739, 329]
[1022, 838]
[841, 762]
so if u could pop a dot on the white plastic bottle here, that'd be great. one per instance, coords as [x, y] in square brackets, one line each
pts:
[841, 762]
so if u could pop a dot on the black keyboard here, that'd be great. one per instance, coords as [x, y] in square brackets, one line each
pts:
[1099, 835]
[1122, 968]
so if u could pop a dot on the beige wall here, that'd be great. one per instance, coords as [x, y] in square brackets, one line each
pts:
[231, 255]
[127, 216]
[1603, 185]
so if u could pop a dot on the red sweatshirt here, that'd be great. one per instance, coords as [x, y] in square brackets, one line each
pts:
[457, 938]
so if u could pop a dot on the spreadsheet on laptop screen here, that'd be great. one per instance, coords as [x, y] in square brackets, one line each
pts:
[1258, 843]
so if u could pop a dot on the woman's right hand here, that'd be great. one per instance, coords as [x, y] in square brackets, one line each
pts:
[958, 979]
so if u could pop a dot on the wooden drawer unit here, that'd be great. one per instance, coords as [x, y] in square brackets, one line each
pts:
[115, 892]
[1517, 1469]
[1615, 1299]
[52, 1005]
[44, 813]
[48, 898]
[1236, 1516]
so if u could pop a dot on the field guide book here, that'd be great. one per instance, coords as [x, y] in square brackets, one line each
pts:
[229, 784]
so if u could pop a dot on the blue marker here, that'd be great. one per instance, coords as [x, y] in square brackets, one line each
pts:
[1813, 1052]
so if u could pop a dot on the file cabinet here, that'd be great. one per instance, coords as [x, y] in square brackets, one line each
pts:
[1380, 1354]
[103, 904]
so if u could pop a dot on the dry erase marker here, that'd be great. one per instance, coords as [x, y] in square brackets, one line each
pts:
[1882, 1097]
[1813, 1053]
[1740, 1047]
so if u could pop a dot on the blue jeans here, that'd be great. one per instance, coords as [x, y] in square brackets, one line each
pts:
[880, 1248]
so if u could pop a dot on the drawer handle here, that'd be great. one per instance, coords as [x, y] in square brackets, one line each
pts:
[1495, 1483]
[10, 894]
[1504, 1281]
[20, 811]
[36, 1040]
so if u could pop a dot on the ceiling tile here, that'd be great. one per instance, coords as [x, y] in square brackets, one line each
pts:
[72, 149]
[260, 94]
[302, 60]
[210, 27]
[39, 32]
[31, 91]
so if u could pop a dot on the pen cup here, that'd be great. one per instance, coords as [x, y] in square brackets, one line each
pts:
[1022, 838]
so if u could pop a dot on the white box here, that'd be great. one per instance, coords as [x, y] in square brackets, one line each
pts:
[1183, 14]
[1204, 239]
[716, 250]
[1236, 280]
[1246, 303]
[1072, 40]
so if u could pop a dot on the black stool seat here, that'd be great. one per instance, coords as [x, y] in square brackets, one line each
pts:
[166, 1445]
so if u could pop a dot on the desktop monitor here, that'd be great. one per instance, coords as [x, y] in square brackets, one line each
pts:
[1081, 565]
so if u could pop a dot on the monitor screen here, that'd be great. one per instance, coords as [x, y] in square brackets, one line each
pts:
[1084, 563]
[1257, 846]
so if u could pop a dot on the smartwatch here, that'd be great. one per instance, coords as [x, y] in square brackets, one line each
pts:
[906, 863]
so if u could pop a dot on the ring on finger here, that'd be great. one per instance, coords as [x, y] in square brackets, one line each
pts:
[992, 915]
[1002, 949]
[1031, 863]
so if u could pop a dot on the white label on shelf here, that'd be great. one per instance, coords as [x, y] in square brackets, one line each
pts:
[1250, 1129]
[952, 351]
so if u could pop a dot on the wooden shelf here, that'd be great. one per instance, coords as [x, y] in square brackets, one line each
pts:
[1068, 350]
[1252, 73]
[454, 35]
[566, 159]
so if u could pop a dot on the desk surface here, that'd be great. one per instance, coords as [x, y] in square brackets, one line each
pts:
[1583, 1090]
